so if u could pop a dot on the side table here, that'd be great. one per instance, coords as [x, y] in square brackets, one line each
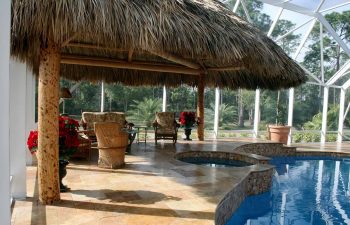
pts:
[138, 133]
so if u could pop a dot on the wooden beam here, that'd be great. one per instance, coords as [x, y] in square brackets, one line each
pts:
[131, 51]
[172, 58]
[176, 59]
[48, 96]
[200, 107]
[145, 66]
[164, 55]
[66, 42]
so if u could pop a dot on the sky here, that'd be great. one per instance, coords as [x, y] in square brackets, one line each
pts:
[299, 19]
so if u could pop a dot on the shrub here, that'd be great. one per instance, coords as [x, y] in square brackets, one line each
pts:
[316, 137]
[298, 137]
[307, 137]
[331, 137]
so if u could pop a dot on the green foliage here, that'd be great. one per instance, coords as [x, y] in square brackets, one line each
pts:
[334, 56]
[298, 137]
[228, 115]
[261, 20]
[245, 135]
[331, 137]
[144, 111]
[270, 105]
[182, 99]
[312, 137]
[291, 41]
[332, 120]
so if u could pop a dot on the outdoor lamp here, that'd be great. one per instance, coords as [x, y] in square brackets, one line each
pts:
[64, 94]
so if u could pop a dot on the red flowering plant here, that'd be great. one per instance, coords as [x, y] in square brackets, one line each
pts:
[187, 119]
[68, 138]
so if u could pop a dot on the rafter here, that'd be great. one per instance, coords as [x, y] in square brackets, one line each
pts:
[130, 53]
[145, 66]
[66, 42]
[176, 59]
[90, 46]
[140, 65]
[168, 56]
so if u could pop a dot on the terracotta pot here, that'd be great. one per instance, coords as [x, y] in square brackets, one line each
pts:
[279, 133]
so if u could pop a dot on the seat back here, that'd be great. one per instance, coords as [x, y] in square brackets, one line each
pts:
[89, 118]
[165, 120]
[110, 135]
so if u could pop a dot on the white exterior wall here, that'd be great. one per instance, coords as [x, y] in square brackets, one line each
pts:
[5, 21]
[30, 110]
[18, 139]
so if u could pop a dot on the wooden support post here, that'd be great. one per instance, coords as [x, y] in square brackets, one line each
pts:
[200, 107]
[48, 112]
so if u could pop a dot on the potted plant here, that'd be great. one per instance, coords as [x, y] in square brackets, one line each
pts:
[279, 132]
[187, 120]
[68, 144]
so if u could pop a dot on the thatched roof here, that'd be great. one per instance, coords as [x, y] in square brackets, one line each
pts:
[190, 36]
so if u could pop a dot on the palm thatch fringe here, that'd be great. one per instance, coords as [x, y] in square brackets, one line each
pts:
[202, 32]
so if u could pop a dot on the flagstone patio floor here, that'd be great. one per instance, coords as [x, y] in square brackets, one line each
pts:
[153, 188]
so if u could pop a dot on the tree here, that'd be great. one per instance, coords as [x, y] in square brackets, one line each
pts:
[291, 41]
[144, 111]
[181, 99]
[227, 116]
[334, 56]
[332, 120]
[254, 8]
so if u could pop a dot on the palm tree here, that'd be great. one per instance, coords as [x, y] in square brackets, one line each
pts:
[227, 115]
[144, 111]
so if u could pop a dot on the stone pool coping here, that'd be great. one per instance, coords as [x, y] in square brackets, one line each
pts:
[259, 178]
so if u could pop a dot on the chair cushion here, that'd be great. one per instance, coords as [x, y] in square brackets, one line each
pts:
[166, 131]
[165, 123]
[96, 117]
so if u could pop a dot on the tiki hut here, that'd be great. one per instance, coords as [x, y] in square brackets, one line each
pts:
[149, 42]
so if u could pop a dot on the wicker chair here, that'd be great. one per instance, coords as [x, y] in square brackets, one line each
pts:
[89, 118]
[165, 126]
[112, 143]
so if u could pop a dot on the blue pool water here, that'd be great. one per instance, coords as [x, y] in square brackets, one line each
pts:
[304, 191]
[215, 162]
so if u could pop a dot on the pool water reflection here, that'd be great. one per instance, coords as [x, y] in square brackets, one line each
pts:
[304, 191]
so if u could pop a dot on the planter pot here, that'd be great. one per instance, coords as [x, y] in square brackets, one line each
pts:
[62, 173]
[188, 134]
[279, 133]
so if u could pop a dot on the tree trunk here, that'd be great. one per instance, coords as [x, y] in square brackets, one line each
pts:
[241, 109]
[278, 107]
[48, 112]
[251, 117]
[125, 105]
[200, 108]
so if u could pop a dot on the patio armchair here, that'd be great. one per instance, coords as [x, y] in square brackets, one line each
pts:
[89, 118]
[165, 126]
[111, 143]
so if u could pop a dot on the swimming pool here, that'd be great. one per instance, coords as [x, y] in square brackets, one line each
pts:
[304, 191]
